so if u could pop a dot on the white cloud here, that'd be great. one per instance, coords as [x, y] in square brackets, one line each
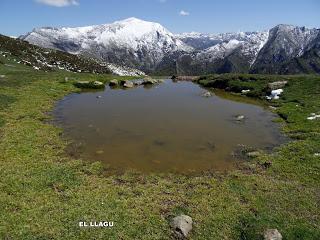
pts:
[184, 13]
[58, 3]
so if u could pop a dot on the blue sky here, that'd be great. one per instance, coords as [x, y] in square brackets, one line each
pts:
[209, 16]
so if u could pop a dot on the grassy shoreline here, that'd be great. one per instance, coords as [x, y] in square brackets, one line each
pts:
[44, 193]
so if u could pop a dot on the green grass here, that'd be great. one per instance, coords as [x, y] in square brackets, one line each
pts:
[44, 193]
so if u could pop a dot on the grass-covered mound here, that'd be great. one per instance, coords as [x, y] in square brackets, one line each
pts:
[44, 192]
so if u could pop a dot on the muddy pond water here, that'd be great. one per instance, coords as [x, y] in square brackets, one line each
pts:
[169, 127]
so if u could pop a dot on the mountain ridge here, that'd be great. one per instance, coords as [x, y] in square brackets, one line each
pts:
[152, 48]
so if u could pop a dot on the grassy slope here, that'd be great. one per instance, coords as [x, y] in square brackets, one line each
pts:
[44, 193]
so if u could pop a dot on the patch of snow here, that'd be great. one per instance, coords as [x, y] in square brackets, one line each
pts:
[245, 91]
[124, 71]
[313, 116]
[275, 94]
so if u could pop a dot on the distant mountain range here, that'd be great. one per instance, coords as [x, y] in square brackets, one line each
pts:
[148, 46]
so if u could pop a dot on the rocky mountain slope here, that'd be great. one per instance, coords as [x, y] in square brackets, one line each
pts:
[285, 43]
[151, 48]
[50, 59]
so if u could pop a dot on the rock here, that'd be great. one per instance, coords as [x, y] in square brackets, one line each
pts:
[98, 97]
[114, 82]
[207, 94]
[128, 84]
[97, 84]
[277, 85]
[82, 84]
[181, 226]
[89, 84]
[239, 118]
[272, 234]
[138, 82]
[2, 76]
[253, 154]
[149, 81]
[99, 152]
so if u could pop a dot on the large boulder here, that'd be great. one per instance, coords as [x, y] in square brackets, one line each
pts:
[276, 85]
[272, 234]
[181, 226]
[128, 84]
[89, 84]
[113, 82]
[149, 81]
[138, 82]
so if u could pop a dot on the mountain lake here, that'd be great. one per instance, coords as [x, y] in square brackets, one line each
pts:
[167, 127]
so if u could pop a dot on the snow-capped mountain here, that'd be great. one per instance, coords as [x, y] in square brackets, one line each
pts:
[131, 42]
[150, 47]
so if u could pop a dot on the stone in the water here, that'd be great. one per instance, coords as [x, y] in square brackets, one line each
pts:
[98, 97]
[113, 82]
[239, 117]
[2, 76]
[149, 81]
[272, 234]
[159, 142]
[277, 85]
[137, 82]
[98, 84]
[99, 152]
[207, 94]
[128, 84]
[181, 226]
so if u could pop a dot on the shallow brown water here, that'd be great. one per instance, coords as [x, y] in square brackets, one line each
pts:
[169, 127]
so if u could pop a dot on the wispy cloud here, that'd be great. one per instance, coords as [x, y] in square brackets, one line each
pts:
[58, 3]
[184, 13]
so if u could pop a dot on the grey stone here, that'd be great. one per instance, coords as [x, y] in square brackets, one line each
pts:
[128, 84]
[98, 84]
[239, 117]
[149, 81]
[181, 226]
[277, 85]
[113, 82]
[138, 82]
[207, 94]
[272, 234]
